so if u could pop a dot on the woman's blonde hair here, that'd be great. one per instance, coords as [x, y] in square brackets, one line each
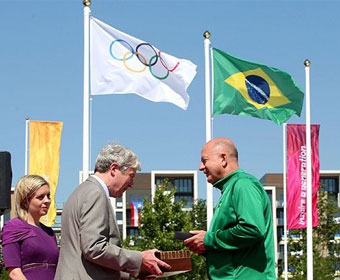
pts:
[24, 191]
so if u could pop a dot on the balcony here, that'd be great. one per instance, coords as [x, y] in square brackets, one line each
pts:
[289, 274]
[293, 237]
[297, 253]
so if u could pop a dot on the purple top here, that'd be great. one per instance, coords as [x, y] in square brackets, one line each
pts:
[33, 249]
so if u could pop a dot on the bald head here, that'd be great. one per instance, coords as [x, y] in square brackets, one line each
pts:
[219, 157]
[224, 145]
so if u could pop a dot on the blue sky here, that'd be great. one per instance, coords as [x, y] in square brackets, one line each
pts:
[41, 60]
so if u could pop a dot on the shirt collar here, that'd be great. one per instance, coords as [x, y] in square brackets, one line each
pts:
[104, 186]
[221, 183]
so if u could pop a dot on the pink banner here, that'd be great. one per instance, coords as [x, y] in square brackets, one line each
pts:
[297, 175]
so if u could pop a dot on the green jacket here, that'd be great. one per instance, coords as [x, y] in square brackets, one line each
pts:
[240, 241]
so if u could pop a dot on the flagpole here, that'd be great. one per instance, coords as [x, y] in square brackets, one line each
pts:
[86, 105]
[285, 249]
[207, 46]
[27, 121]
[309, 179]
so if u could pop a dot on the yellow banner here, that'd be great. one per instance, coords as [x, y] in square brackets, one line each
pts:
[44, 146]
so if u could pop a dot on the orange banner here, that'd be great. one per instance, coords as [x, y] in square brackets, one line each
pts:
[44, 147]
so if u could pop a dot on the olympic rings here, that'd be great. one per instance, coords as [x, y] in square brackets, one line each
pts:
[164, 64]
[122, 41]
[127, 67]
[148, 64]
[142, 59]
[153, 74]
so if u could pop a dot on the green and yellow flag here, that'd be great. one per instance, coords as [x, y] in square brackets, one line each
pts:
[44, 146]
[246, 88]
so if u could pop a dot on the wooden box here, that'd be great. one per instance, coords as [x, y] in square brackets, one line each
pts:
[180, 262]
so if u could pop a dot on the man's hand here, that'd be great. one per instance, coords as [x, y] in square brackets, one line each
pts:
[151, 263]
[196, 243]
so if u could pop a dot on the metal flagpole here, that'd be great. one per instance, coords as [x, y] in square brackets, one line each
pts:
[285, 249]
[27, 121]
[86, 81]
[207, 47]
[309, 179]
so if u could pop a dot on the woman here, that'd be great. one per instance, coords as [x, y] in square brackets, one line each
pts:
[30, 248]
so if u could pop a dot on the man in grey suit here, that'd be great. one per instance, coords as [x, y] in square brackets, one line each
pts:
[90, 238]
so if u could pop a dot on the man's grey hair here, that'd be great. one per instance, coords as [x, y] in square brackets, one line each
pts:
[113, 153]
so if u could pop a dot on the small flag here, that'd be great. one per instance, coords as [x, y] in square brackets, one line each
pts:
[121, 64]
[246, 88]
[44, 147]
[135, 207]
[297, 175]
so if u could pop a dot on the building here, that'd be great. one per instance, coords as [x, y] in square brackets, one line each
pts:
[145, 185]
[328, 178]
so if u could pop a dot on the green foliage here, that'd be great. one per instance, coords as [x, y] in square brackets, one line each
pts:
[3, 271]
[159, 221]
[198, 215]
[325, 250]
[4, 274]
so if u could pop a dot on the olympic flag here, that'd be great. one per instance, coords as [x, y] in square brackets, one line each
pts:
[120, 64]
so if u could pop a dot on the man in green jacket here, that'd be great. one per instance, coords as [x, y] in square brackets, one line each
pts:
[239, 243]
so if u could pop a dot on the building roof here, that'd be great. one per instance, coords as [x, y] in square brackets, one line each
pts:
[272, 179]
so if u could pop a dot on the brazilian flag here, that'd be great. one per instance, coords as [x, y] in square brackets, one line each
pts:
[246, 88]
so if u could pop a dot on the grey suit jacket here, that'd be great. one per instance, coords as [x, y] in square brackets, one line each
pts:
[90, 239]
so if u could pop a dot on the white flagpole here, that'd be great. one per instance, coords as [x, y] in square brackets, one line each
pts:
[27, 121]
[285, 249]
[309, 179]
[86, 105]
[207, 46]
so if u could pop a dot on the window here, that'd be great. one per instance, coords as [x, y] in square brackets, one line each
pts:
[119, 202]
[132, 231]
[119, 216]
[186, 198]
[270, 195]
[330, 184]
[184, 188]
[280, 232]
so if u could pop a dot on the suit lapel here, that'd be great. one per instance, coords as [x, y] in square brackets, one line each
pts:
[114, 229]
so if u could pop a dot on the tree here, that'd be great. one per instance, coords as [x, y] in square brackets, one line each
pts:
[159, 221]
[325, 250]
[3, 271]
